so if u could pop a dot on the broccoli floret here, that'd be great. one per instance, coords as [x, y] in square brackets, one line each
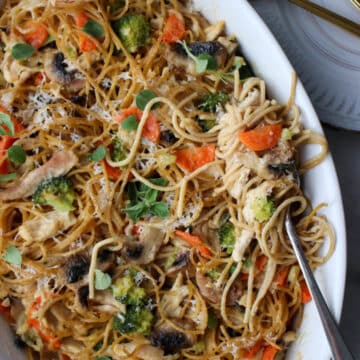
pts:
[118, 153]
[57, 192]
[213, 274]
[133, 31]
[263, 208]
[206, 124]
[136, 320]
[126, 291]
[211, 101]
[227, 236]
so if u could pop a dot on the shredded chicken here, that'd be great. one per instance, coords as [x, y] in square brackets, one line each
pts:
[58, 165]
[46, 226]
[143, 352]
[241, 244]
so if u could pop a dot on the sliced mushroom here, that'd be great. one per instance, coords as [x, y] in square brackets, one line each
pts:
[171, 340]
[75, 268]
[171, 300]
[143, 250]
[56, 70]
[104, 301]
[106, 260]
[179, 58]
[213, 294]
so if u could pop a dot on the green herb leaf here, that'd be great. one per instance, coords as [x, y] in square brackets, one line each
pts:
[104, 358]
[102, 280]
[203, 62]
[160, 209]
[136, 211]
[22, 51]
[144, 97]
[98, 154]
[151, 195]
[12, 255]
[94, 29]
[130, 123]
[16, 154]
[8, 177]
[49, 40]
[247, 262]
[6, 120]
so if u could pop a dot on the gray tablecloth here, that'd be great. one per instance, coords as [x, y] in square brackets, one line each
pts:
[345, 148]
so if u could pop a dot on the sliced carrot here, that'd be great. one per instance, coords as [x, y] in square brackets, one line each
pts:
[86, 43]
[191, 159]
[269, 353]
[151, 129]
[305, 293]
[112, 172]
[40, 78]
[261, 262]
[194, 240]
[174, 29]
[262, 137]
[34, 306]
[46, 337]
[36, 34]
[81, 19]
[252, 351]
[281, 276]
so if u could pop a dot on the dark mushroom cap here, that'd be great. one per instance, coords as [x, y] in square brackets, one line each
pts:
[75, 268]
[170, 341]
[59, 68]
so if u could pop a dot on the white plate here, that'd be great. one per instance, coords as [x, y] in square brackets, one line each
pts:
[326, 57]
[321, 184]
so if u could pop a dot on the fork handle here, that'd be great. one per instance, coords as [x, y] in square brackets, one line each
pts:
[338, 347]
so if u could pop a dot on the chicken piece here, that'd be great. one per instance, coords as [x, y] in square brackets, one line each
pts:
[46, 226]
[241, 244]
[58, 165]
[131, 350]
[15, 72]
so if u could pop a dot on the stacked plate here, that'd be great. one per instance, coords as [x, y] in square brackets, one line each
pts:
[326, 58]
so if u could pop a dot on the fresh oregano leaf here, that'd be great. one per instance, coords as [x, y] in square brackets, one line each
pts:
[6, 120]
[203, 62]
[160, 209]
[22, 51]
[94, 29]
[12, 255]
[16, 154]
[102, 280]
[98, 154]
[130, 123]
[144, 97]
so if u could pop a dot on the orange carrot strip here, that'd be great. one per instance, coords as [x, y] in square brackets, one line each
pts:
[305, 293]
[151, 129]
[81, 19]
[174, 29]
[86, 43]
[261, 262]
[261, 138]
[194, 240]
[36, 34]
[269, 353]
[112, 172]
[191, 159]
[252, 351]
[281, 276]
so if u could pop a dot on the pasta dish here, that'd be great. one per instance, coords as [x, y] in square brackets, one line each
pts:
[145, 176]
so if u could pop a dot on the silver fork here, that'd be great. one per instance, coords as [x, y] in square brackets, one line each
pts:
[335, 339]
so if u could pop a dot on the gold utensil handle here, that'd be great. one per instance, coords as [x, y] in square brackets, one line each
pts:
[328, 15]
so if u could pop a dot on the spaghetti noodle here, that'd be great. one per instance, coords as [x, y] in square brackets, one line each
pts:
[145, 179]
